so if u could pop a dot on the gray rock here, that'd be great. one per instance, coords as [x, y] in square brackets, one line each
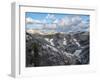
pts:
[40, 52]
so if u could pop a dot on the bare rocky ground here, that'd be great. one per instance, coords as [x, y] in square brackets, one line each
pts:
[57, 49]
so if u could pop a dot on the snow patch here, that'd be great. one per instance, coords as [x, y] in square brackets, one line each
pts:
[51, 41]
[76, 42]
[46, 39]
[64, 42]
[52, 48]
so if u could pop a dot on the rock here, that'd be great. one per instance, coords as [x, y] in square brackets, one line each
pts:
[57, 49]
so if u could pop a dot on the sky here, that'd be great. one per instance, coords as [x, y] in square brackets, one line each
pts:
[57, 22]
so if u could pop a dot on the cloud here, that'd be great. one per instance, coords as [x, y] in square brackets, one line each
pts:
[50, 22]
[73, 23]
[50, 16]
[34, 26]
[56, 21]
[50, 26]
[32, 21]
[70, 21]
[65, 22]
[44, 21]
[76, 20]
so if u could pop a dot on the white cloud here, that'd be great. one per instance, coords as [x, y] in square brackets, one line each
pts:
[70, 21]
[50, 22]
[50, 17]
[65, 22]
[76, 20]
[56, 21]
[29, 20]
[74, 23]
[44, 21]
[32, 21]
[50, 26]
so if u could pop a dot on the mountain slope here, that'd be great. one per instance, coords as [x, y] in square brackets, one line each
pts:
[57, 49]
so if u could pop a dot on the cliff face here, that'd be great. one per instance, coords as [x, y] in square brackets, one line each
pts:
[57, 49]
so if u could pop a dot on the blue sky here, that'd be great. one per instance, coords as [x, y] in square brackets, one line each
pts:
[57, 22]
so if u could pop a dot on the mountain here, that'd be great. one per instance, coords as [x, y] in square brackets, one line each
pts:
[57, 49]
[35, 31]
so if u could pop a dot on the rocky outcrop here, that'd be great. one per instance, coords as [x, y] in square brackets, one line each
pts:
[57, 49]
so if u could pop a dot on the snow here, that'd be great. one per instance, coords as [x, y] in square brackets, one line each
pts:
[77, 52]
[52, 48]
[64, 42]
[76, 42]
[47, 39]
[51, 41]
